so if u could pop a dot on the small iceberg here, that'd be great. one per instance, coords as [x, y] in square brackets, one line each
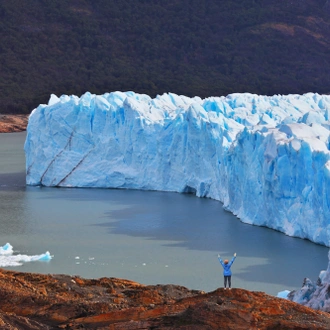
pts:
[8, 259]
[283, 294]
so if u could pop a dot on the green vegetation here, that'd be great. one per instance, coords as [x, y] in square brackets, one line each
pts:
[190, 47]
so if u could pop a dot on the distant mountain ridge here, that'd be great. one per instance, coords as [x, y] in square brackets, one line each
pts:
[188, 47]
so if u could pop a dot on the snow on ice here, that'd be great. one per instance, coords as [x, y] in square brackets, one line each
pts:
[265, 158]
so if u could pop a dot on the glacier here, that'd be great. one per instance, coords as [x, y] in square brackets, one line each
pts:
[266, 158]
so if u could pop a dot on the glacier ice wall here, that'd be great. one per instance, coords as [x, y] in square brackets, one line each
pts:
[266, 158]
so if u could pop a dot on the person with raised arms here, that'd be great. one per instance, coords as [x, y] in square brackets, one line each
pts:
[226, 270]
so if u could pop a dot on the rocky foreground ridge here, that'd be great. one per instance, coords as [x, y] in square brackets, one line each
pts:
[36, 301]
[13, 123]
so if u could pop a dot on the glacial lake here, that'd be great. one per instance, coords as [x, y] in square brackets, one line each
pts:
[148, 237]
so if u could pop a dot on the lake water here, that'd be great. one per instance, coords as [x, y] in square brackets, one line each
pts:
[149, 237]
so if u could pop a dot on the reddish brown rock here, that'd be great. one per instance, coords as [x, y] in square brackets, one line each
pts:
[13, 123]
[35, 301]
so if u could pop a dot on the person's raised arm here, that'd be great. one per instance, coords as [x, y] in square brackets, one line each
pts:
[233, 259]
[220, 260]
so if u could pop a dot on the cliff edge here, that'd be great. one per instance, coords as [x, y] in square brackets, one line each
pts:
[36, 301]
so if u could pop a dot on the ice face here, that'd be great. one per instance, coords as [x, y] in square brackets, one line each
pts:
[314, 295]
[266, 158]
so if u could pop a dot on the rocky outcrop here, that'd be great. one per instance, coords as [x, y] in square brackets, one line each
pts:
[13, 123]
[35, 301]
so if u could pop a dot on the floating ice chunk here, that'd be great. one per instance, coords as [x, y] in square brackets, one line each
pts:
[6, 249]
[8, 259]
[42, 257]
[283, 294]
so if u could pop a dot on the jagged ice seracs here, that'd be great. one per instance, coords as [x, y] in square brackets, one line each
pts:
[266, 158]
[312, 294]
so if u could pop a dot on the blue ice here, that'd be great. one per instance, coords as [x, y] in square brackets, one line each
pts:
[266, 158]
[9, 259]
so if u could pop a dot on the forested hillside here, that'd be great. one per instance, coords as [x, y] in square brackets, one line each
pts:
[190, 47]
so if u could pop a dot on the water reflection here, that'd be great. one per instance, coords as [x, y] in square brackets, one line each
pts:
[12, 157]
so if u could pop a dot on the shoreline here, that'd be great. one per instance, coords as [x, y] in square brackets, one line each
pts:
[13, 123]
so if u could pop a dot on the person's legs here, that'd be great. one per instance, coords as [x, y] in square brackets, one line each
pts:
[225, 281]
[229, 282]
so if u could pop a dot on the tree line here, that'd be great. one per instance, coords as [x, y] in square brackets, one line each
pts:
[188, 47]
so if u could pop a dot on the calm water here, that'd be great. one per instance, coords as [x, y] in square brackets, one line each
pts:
[149, 237]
